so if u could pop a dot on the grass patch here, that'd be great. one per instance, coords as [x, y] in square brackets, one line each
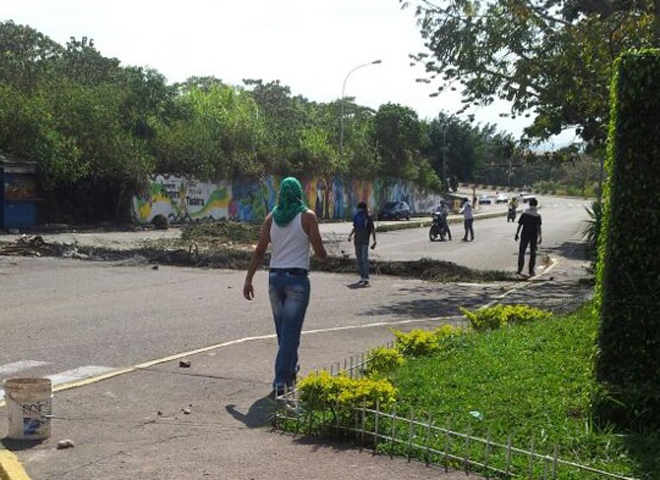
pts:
[529, 382]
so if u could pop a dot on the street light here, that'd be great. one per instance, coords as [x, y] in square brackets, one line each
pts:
[444, 158]
[341, 117]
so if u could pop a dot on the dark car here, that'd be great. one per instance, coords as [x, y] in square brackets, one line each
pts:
[394, 211]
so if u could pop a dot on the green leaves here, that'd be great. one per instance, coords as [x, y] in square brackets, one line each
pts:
[549, 57]
[627, 288]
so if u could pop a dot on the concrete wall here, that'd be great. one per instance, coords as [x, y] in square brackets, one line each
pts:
[184, 199]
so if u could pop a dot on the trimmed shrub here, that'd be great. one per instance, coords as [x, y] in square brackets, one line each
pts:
[383, 361]
[322, 391]
[499, 316]
[420, 343]
[627, 278]
[416, 343]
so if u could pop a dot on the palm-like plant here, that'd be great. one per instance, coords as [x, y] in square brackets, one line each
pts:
[592, 230]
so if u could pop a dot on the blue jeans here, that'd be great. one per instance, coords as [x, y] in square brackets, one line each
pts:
[362, 255]
[289, 297]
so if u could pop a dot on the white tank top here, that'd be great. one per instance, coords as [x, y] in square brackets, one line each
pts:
[290, 245]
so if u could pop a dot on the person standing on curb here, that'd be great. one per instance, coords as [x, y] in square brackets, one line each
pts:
[530, 223]
[468, 220]
[363, 228]
[291, 227]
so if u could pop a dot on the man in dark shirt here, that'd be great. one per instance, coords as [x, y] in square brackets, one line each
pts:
[363, 228]
[530, 223]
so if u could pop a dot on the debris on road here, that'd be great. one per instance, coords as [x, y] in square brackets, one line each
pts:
[66, 443]
[29, 246]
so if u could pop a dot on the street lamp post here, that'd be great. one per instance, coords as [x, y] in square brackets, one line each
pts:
[341, 117]
[444, 158]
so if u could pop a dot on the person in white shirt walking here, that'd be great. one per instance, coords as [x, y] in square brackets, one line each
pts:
[291, 227]
[468, 220]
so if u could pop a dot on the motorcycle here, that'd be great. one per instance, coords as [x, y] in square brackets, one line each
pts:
[511, 214]
[439, 227]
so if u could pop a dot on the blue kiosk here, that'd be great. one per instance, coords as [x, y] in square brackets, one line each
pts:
[18, 192]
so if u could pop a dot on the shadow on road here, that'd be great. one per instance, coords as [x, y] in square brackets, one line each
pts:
[433, 302]
[260, 413]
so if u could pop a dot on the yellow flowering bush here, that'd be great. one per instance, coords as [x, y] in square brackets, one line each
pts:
[382, 360]
[499, 316]
[419, 343]
[319, 391]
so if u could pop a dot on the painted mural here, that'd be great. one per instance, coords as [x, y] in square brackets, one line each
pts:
[182, 199]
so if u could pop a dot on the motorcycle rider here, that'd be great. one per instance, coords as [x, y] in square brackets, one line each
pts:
[444, 210]
[513, 206]
[440, 225]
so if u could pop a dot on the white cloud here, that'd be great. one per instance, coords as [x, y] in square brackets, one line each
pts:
[309, 45]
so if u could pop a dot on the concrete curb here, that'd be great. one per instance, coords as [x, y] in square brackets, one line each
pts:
[454, 218]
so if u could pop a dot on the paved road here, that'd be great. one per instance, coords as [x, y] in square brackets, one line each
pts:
[61, 314]
[76, 319]
[494, 246]
[71, 320]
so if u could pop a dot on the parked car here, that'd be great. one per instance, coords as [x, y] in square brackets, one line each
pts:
[502, 198]
[486, 200]
[525, 196]
[394, 211]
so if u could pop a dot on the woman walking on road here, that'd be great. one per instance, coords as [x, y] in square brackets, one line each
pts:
[291, 227]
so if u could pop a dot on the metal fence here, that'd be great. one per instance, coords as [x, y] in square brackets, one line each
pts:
[388, 432]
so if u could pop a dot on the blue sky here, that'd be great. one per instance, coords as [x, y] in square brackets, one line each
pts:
[309, 45]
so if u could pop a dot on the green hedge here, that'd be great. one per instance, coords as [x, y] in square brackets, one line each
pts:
[628, 270]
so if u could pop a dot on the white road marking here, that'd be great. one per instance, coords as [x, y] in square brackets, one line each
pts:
[78, 374]
[57, 379]
[11, 368]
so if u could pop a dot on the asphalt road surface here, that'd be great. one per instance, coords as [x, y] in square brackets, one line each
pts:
[494, 246]
[72, 319]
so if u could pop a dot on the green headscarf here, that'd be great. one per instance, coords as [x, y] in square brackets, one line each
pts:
[290, 202]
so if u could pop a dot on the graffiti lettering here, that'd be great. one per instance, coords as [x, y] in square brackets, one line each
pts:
[184, 199]
[195, 201]
[30, 409]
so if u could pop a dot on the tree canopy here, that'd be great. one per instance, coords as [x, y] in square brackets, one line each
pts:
[551, 59]
[98, 129]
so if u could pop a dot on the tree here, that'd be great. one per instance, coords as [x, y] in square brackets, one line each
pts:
[25, 55]
[285, 117]
[400, 137]
[215, 136]
[549, 58]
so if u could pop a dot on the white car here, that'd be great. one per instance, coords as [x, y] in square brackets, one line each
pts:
[525, 196]
[486, 200]
[502, 198]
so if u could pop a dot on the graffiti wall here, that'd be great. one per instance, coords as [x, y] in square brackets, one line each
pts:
[183, 199]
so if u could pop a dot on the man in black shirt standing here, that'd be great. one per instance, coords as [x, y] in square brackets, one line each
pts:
[363, 228]
[530, 223]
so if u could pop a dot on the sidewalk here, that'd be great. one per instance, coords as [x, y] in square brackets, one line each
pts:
[133, 426]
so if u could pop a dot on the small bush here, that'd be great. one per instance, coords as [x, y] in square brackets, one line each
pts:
[383, 361]
[502, 315]
[420, 343]
[416, 343]
[446, 331]
[322, 391]
[161, 222]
